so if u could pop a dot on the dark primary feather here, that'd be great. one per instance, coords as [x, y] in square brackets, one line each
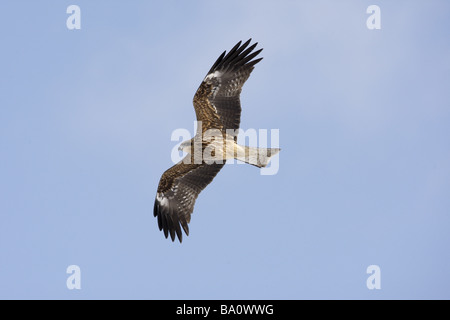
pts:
[236, 58]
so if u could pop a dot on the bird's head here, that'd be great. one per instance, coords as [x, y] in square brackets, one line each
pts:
[185, 146]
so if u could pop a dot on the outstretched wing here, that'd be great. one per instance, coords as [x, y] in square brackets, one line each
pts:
[178, 189]
[216, 102]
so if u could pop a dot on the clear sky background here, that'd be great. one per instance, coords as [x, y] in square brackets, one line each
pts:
[86, 118]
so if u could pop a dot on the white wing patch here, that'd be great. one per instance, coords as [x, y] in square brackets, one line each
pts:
[162, 199]
[216, 84]
[215, 74]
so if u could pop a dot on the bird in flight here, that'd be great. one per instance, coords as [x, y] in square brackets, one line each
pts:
[218, 110]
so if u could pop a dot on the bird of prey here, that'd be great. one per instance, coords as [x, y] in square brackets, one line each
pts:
[218, 110]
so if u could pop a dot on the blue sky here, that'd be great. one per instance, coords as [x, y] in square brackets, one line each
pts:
[364, 118]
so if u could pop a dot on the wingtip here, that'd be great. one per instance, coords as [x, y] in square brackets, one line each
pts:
[168, 223]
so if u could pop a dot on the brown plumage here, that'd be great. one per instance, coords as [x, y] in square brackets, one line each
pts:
[217, 106]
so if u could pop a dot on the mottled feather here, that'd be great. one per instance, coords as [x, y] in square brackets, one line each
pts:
[217, 105]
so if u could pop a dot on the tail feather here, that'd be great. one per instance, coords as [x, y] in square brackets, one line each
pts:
[259, 157]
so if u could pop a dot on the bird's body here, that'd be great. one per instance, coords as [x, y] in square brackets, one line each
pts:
[216, 147]
[218, 110]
